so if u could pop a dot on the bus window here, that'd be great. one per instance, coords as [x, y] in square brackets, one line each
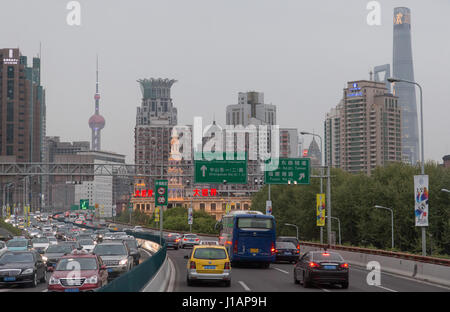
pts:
[255, 223]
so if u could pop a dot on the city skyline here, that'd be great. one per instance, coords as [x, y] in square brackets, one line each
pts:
[210, 73]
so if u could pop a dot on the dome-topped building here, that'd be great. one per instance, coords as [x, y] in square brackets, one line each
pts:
[96, 122]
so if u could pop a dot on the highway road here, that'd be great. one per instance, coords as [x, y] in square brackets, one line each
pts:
[42, 287]
[279, 278]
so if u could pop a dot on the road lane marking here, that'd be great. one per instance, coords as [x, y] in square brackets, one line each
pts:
[325, 290]
[382, 287]
[45, 290]
[243, 285]
[283, 271]
[172, 276]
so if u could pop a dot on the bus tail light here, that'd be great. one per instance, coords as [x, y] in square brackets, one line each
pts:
[192, 265]
[272, 249]
[235, 249]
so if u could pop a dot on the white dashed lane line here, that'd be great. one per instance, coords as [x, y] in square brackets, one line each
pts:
[243, 285]
[283, 271]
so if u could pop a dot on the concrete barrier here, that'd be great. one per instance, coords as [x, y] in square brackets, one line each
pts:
[163, 279]
[434, 273]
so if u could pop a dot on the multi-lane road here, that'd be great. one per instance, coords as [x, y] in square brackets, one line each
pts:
[279, 278]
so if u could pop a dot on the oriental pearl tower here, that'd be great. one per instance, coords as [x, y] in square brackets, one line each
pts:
[96, 122]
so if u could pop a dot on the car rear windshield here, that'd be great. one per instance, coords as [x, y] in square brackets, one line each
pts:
[86, 242]
[39, 240]
[17, 243]
[285, 245]
[190, 236]
[255, 223]
[58, 249]
[14, 258]
[326, 256]
[210, 253]
[110, 250]
[73, 264]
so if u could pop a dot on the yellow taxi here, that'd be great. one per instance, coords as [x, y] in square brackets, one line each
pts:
[208, 263]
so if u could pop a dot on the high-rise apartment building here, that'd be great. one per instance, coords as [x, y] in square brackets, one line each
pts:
[406, 93]
[22, 118]
[364, 130]
[289, 143]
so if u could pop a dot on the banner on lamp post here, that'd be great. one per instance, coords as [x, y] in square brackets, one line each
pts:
[320, 209]
[421, 192]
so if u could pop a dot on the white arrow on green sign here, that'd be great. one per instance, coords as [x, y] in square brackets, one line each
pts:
[293, 170]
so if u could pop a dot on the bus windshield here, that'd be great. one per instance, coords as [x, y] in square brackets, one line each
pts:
[255, 223]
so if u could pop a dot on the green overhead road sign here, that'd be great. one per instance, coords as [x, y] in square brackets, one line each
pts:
[293, 170]
[161, 196]
[84, 204]
[216, 171]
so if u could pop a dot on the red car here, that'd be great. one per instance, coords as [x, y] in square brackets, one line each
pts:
[77, 272]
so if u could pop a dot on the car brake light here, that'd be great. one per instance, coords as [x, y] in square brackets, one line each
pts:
[197, 239]
[177, 240]
[272, 249]
[235, 249]
[226, 266]
[313, 265]
[298, 247]
[326, 254]
[184, 239]
[192, 266]
[344, 265]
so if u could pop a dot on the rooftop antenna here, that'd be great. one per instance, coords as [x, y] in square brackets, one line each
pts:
[371, 74]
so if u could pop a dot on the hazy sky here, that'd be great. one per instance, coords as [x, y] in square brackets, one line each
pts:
[299, 53]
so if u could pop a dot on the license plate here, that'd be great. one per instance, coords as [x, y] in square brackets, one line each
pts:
[9, 278]
[329, 267]
[109, 270]
[71, 290]
[254, 250]
[287, 253]
[209, 267]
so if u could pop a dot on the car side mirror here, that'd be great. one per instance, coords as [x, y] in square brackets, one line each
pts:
[186, 257]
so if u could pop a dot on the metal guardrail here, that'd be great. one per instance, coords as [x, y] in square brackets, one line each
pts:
[394, 254]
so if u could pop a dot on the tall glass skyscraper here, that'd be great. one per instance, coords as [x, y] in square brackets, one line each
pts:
[403, 69]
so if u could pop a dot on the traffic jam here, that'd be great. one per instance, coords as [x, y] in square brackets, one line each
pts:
[69, 258]
[64, 256]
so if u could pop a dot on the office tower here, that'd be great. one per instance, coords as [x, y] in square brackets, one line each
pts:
[289, 143]
[386, 69]
[403, 69]
[96, 122]
[332, 138]
[364, 129]
[22, 119]
[155, 119]
[314, 152]
[251, 110]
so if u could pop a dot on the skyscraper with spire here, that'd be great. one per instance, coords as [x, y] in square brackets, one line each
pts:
[403, 69]
[96, 122]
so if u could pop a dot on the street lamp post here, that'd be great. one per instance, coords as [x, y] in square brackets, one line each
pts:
[321, 173]
[339, 228]
[392, 221]
[296, 227]
[392, 79]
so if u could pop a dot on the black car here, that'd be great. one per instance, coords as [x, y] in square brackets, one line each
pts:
[72, 244]
[286, 251]
[173, 240]
[54, 253]
[22, 267]
[134, 249]
[291, 239]
[321, 267]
